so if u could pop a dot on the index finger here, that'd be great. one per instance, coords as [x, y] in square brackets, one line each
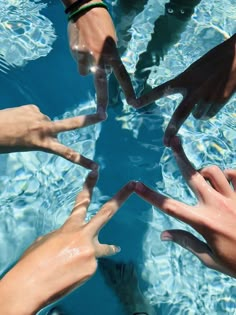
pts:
[156, 93]
[110, 208]
[83, 198]
[180, 115]
[124, 80]
[174, 208]
[101, 86]
[74, 123]
[193, 178]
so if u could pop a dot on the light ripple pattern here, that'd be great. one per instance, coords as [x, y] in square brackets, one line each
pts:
[25, 34]
[168, 269]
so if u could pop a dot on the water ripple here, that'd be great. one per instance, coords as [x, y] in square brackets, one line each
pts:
[25, 34]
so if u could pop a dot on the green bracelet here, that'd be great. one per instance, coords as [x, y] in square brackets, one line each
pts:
[87, 8]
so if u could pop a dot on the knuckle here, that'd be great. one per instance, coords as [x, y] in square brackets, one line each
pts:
[34, 107]
[90, 257]
[31, 107]
[102, 116]
[107, 212]
[42, 131]
[83, 202]
[70, 154]
[208, 170]
[170, 207]
[27, 107]
[213, 169]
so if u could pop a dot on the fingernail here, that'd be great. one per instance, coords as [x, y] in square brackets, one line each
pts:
[93, 174]
[166, 236]
[131, 185]
[139, 187]
[94, 166]
[117, 249]
[102, 114]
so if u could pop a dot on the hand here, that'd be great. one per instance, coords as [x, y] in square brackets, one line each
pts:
[25, 128]
[214, 217]
[92, 41]
[62, 260]
[206, 86]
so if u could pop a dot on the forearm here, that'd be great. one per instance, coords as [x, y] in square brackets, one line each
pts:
[18, 294]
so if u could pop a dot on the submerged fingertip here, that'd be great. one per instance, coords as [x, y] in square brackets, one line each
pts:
[94, 166]
[93, 174]
[166, 141]
[166, 236]
[102, 115]
[139, 187]
[117, 249]
[133, 101]
[131, 184]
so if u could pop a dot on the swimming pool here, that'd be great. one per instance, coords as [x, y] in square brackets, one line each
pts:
[38, 190]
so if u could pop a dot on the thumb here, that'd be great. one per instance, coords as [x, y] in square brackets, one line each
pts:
[104, 250]
[190, 242]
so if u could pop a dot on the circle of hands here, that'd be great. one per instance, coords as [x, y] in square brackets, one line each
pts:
[71, 252]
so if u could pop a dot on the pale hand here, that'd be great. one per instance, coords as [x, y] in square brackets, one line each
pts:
[25, 128]
[92, 40]
[62, 260]
[214, 217]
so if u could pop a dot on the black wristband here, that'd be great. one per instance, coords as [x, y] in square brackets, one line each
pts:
[75, 5]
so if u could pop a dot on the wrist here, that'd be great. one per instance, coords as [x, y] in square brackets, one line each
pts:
[82, 8]
[71, 5]
[19, 294]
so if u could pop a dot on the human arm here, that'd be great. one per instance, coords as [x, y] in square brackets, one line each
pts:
[62, 260]
[206, 86]
[92, 41]
[25, 128]
[214, 216]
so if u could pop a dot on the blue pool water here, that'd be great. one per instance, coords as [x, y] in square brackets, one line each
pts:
[38, 190]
